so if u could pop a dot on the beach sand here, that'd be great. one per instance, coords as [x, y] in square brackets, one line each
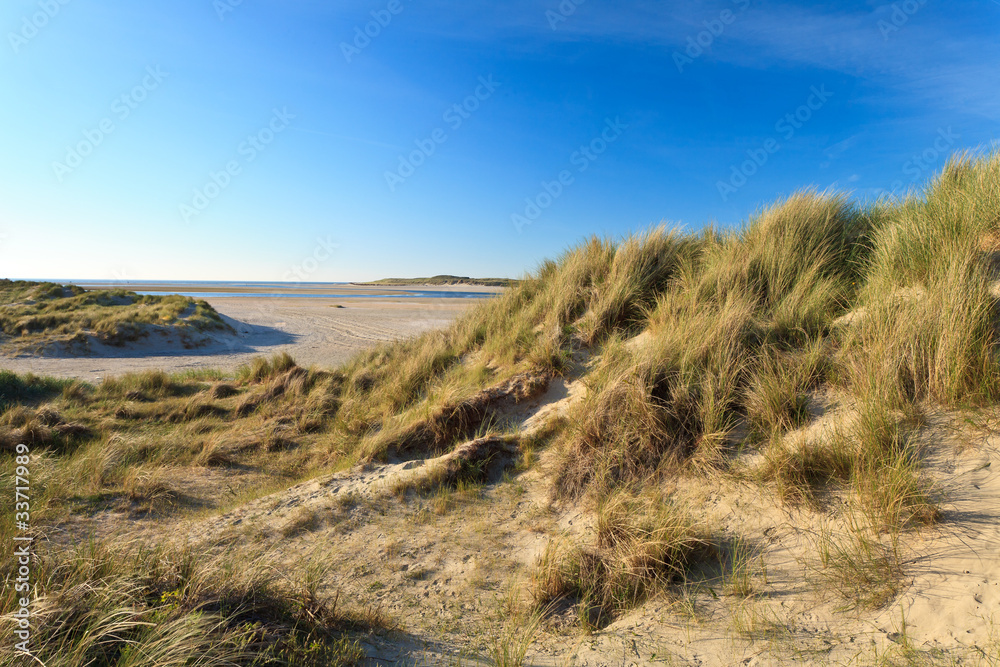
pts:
[311, 329]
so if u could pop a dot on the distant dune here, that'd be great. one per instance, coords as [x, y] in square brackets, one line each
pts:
[66, 331]
[445, 280]
[52, 319]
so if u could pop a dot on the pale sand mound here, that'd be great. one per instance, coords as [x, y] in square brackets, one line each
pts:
[312, 330]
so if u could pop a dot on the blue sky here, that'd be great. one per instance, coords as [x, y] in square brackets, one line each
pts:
[266, 140]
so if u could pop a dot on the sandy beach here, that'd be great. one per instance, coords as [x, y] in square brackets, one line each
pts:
[310, 328]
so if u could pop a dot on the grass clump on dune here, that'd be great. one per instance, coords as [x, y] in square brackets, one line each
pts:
[18, 389]
[118, 606]
[641, 268]
[45, 316]
[926, 328]
[593, 291]
[643, 544]
[744, 310]
[147, 385]
[263, 368]
[777, 396]
[871, 455]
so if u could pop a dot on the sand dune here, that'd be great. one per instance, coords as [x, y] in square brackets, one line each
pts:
[312, 330]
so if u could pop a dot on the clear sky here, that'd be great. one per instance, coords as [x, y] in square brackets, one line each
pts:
[274, 139]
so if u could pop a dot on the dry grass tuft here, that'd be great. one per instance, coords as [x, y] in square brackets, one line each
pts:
[461, 419]
[862, 564]
[223, 390]
[115, 604]
[263, 368]
[642, 545]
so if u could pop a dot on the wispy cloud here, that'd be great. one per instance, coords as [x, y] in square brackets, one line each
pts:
[923, 60]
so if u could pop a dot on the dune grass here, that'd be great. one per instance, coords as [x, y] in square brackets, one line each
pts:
[927, 329]
[109, 604]
[738, 335]
[113, 447]
[444, 279]
[117, 443]
[16, 389]
[642, 545]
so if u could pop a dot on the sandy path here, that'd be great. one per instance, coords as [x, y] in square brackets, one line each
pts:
[312, 330]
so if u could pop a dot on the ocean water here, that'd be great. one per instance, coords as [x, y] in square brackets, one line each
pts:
[190, 289]
[402, 294]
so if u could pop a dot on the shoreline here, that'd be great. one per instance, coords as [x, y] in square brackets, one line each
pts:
[444, 287]
[349, 290]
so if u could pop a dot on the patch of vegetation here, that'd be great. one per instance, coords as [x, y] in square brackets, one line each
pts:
[40, 317]
[18, 389]
[643, 545]
[863, 565]
[445, 279]
[112, 606]
[116, 443]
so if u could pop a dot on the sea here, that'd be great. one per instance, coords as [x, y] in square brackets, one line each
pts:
[203, 289]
